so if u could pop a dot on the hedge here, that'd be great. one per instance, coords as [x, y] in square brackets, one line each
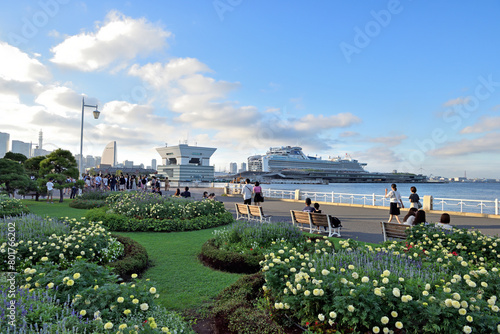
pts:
[135, 259]
[87, 204]
[119, 223]
[228, 261]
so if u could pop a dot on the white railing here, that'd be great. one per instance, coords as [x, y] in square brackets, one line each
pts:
[466, 205]
[442, 204]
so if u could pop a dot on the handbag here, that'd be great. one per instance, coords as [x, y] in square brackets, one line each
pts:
[419, 205]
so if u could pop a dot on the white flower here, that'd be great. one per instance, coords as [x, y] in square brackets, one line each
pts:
[396, 292]
[350, 308]
[333, 315]
[321, 317]
[384, 320]
[467, 329]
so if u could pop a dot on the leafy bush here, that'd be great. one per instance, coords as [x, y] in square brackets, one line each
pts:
[135, 258]
[61, 242]
[92, 194]
[220, 259]
[118, 222]
[254, 237]
[87, 204]
[12, 207]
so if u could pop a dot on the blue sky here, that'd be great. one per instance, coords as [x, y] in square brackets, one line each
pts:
[401, 85]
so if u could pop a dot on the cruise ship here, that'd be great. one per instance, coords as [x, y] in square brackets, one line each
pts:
[291, 163]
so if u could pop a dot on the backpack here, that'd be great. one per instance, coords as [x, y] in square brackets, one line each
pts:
[335, 221]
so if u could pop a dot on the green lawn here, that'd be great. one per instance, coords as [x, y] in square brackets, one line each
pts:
[182, 281]
[56, 209]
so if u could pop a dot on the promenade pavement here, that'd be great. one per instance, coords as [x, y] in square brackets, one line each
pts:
[358, 223]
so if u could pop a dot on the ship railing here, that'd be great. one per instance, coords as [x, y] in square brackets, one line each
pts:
[466, 205]
[345, 198]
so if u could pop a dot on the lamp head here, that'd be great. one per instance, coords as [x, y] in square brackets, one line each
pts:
[96, 113]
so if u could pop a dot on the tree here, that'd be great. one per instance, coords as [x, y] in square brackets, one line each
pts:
[32, 167]
[19, 157]
[13, 176]
[58, 165]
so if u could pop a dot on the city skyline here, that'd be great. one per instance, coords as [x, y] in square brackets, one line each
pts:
[399, 85]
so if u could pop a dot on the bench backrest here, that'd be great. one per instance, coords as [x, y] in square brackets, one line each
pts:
[256, 210]
[242, 208]
[393, 230]
[319, 219]
[300, 217]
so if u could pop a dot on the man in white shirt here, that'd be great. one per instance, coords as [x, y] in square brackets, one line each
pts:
[50, 190]
[247, 192]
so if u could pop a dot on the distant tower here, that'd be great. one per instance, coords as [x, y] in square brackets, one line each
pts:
[40, 139]
[153, 164]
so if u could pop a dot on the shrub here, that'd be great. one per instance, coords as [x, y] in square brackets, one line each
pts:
[234, 311]
[135, 258]
[61, 242]
[94, 194]
[12, 207]
[86, 204]
[229, 261]
[254, 237]
[118, 222]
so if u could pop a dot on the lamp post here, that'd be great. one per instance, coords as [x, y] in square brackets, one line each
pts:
[96, 116]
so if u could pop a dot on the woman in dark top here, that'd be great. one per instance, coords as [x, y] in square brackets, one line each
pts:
[420, 218]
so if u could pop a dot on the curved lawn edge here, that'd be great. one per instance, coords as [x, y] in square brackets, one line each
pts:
[135, 259]
[232, 262]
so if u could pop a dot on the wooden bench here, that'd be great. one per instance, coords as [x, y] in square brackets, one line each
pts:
[315, 221]
[393, 230]
[242, 211]
[255, 212]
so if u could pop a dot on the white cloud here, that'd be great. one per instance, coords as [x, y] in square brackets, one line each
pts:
[389, 140]
[119, 40]
[485, 144]
[17, 66]
[457, 101]
[314, 123]
[484, 125]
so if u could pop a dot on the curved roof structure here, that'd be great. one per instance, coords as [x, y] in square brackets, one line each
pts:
[109, 154]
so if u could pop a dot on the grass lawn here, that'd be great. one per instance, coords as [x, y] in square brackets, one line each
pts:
[56, 209]
[182, 281]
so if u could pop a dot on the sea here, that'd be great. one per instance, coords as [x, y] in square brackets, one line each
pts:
[454, 190]
[446, 196]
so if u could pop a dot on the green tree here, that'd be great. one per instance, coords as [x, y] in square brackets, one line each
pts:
[58, 165]
[32, 167]
[13, 176]
[19, 157]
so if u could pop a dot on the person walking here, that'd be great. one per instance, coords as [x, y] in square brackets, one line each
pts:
[50, 190]
[395, 203]
[247, 192]
[257, 190]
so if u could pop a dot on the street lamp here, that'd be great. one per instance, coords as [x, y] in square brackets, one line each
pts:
[96, 116]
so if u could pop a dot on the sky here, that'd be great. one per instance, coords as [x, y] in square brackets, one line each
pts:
[412, 86]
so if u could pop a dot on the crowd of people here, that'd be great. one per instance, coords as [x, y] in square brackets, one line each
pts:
[121, 182]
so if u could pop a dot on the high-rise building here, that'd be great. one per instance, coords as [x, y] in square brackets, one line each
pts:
[89, 162]
[233, 168]
[109, 154]
[153, 163]
[21, 147]
[128, 164]
[186, 163]
[243, 167]
[4, 143]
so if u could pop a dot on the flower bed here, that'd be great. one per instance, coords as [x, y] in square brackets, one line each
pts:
[394, 288]
[93, 302]
[150, 205]
[39, 239]
[12, 207]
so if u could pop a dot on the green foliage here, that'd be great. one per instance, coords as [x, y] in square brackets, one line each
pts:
[230, 261]
[95, 194]
[255, 237]
[58, 165]
[234, 311]
[134, 260]
[86, 203]
[12, 207]
[118, 222]
[62, 242]
[19, 157]
[13, 176]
